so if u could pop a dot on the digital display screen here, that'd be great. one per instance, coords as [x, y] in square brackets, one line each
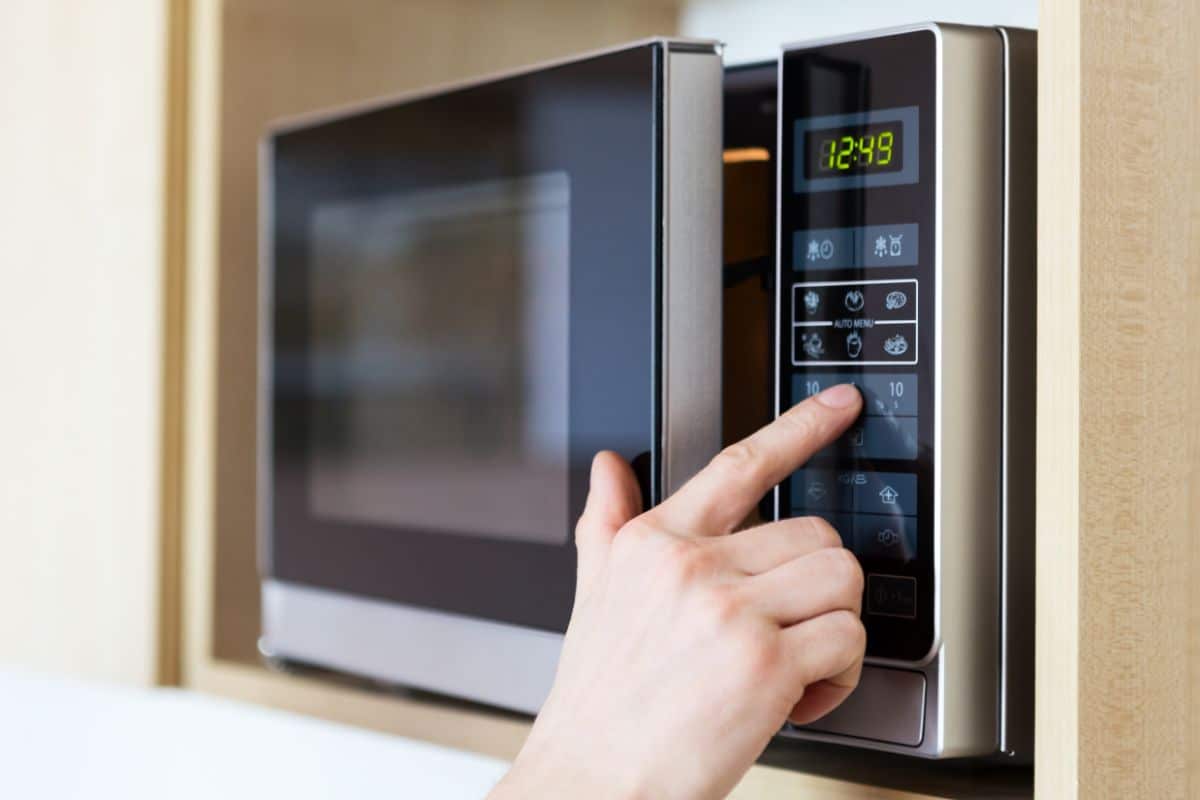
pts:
[439, 371]
[854, 150]
[858, 150]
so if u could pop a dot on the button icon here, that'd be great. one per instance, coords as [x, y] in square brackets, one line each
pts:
[882, 437]
[821, 250]
[892, 245]
[895, 301]
[853, 345]
[886, 493]
[892, 595]
[895, 345]
[812, 301]
[816, 491]
[888, 537]
[855, 300]
[813, 344]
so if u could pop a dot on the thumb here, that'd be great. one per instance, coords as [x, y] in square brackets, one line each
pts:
[613, 499]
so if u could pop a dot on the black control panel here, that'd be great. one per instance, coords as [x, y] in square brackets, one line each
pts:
[857, 246]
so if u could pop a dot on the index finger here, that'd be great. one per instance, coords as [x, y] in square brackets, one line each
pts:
[718, 497]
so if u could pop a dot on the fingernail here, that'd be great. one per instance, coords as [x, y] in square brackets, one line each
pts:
[843, 395]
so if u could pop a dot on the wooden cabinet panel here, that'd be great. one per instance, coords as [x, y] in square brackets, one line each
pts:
[1118, 418]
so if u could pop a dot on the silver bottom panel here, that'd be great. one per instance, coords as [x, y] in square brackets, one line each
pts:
[489, 662]
[893, 709]
[900, 692]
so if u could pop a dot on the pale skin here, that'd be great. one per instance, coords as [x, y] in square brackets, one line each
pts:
[690, 644]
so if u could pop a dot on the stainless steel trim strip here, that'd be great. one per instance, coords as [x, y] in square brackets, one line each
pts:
[967, 435]
[691, 284]
[1017, 554]
[266, 269]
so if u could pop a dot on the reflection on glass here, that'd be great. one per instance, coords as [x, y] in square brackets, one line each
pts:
[439, 366]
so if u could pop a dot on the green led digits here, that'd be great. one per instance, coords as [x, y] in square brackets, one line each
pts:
[854, 150]
[885, 147]
[847, 152]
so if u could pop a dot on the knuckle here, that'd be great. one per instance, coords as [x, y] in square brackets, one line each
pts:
[685, 561]
[632, 537]
[825, 534]
[849, 629]
[637, 532]
[741, 462]
[764, 657]
[853, 569]
[844, 568]
[723, 606]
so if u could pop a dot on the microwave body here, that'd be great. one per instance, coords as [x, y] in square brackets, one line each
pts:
[906, 265]
[467, 293]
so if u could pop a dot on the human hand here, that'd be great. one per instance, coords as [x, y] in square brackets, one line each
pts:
[689, 645]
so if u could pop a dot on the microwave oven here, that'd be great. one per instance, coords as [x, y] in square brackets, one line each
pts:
[468, 291]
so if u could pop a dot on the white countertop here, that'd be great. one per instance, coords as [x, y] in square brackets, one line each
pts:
[62, 738]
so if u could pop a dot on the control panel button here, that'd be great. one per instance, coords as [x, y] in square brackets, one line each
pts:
[881, 437]
[888, 245]
[810, 344]
[890, 393]
[891, 343]
[881, 492]
[811, 303]
[818, 490]
[892, 595]
[889, 537]
[825, 248]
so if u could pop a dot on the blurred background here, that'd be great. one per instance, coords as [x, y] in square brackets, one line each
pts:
[127, 316]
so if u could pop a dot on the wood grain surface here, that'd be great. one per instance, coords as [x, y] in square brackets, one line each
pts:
[1119, 371]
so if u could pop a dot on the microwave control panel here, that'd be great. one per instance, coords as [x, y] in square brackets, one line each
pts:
[857, 235]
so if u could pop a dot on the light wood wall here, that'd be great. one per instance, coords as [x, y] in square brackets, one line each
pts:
[82, 152]
[1118, 624]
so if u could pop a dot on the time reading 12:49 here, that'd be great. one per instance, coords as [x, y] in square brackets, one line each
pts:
[854, 150]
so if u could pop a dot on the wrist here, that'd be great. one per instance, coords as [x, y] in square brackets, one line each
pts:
[540, 771]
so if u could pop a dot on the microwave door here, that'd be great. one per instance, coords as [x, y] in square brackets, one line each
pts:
[469, 292]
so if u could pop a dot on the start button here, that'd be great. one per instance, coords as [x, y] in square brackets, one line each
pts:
[892, 595]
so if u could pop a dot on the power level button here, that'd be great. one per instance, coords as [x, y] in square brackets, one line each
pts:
[892, 596]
